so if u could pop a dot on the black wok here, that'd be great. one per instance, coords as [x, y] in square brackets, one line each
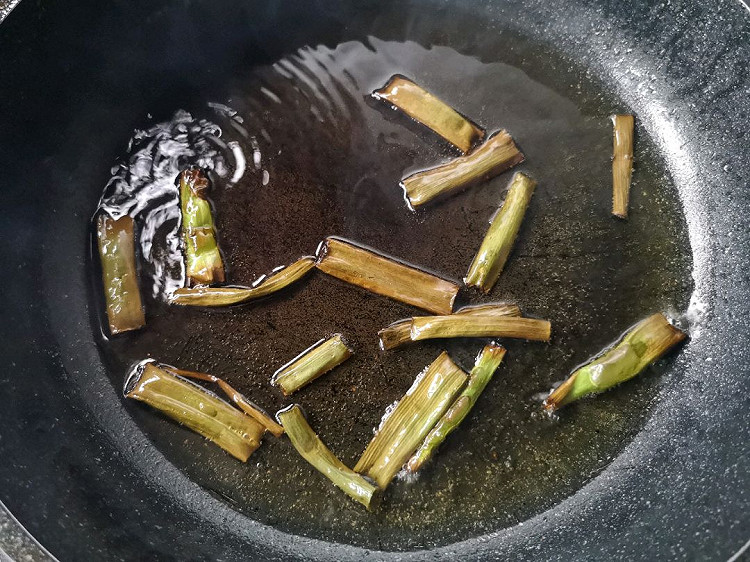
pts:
[77, 77]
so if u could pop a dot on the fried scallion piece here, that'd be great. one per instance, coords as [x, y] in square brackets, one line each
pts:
[405, 428]
[491, 309]
[239, 399]
[395, 334]
[484, 368]
[432, 112]
[475, 326]
[203, 263]
[314, 451]
[316, 360]
[385, 276]
[498, 242]
[496, 155]
[195, 408]
[225, 296]
[622, 163]
[643, 344]
[399, 332]
[116, 241]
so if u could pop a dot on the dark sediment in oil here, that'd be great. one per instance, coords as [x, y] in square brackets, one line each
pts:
[333, 159]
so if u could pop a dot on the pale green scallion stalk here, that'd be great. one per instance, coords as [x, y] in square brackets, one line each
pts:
[498, 242]
[386, 276]
[643, 344]
[203, 263]
[622, 163]
[314, 451]
[195, 408]
[311, 363]
[431, 111]
[485, 366]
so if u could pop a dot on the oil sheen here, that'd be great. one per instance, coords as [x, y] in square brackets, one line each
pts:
[298, 151]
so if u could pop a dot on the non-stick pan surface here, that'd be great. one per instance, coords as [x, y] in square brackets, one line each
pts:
[77, 77]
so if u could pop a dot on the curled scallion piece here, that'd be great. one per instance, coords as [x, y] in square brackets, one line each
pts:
[622, 163]
[386, 276]
[496, 155]
[485, 366]
[311, 363]
[643, 344]
[195, 408]
[203, 263]
[225, 296]
[498, 242]
[432, 112]
[399, 332]
[405, 428]
[116, 242]
[245, 405]
[314, 451]
[475, 326]
[395, 334]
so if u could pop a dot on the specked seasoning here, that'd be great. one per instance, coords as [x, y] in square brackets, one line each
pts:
[334, 170]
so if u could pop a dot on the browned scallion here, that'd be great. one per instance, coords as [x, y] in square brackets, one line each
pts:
[386, 276]
[622, 163]
[485, 366]
[226, 296]
[431, 111]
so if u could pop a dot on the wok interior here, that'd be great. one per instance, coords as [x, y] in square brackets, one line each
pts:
[204, 54]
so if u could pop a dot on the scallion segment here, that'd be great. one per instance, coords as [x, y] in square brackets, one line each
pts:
[496, 155]
[116, 242]
[203, 263]
[484, 368]
[475, 326]
[314, 451]
[432, 112]
[622, 163]
[311, 363]
[386, 276]
[643, 344]
[498, 242]
[407, 425]
[196, 408]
